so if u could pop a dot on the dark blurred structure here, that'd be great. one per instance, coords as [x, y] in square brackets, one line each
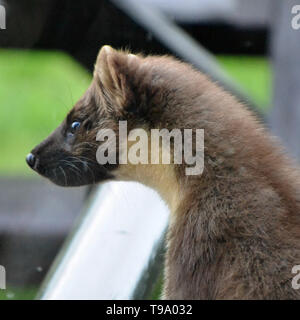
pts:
[81, 27]
[31, 231]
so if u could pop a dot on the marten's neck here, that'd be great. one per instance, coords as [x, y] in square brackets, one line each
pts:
[159, 177]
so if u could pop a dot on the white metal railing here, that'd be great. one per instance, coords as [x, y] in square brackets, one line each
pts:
[110, 254]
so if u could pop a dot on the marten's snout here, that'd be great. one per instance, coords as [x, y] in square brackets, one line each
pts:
[31, 160]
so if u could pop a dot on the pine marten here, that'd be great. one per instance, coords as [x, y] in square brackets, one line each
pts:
[234, 229]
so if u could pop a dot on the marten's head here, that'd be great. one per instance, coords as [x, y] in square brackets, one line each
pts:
[144, 92]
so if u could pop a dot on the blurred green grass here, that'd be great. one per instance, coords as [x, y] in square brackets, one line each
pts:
[37, 88]
[36, 91]
[253, 74]
[15, 293]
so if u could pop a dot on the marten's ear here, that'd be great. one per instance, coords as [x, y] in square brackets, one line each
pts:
[112, 76]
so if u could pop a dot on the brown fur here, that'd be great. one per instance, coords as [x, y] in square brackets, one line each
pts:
[235, 230]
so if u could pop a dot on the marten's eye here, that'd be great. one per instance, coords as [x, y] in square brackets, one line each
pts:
[75, 126]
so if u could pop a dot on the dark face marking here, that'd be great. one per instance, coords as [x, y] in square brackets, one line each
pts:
[67, 156]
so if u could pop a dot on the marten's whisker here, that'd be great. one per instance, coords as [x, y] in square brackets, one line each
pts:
[63, 171]
[85, 164]
[70, 164]
[88, 143]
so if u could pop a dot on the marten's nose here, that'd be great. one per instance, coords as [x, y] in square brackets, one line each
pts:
[30, 159]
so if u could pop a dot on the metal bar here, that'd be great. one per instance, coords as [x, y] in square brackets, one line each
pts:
[110, 253]
[183, 45]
